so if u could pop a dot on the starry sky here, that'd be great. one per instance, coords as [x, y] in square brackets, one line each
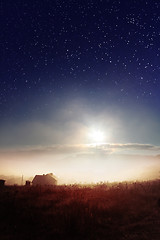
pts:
[69, 66]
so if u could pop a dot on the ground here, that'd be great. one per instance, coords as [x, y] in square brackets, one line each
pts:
[116, 211]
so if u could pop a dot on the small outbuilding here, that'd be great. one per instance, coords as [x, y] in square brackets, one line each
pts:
[2, 182]
[28, 183]
[44, 180]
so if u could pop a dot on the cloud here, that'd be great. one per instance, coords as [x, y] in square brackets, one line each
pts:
[82, 149]
[132, 146]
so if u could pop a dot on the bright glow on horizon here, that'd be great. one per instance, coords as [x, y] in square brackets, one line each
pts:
[88, 163]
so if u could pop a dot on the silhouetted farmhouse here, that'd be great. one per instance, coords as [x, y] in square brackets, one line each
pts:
[2, 182]
[44, 180]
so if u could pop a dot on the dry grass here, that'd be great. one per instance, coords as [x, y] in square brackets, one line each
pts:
[105, 211]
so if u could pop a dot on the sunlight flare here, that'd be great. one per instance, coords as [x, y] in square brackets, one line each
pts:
[96, 136]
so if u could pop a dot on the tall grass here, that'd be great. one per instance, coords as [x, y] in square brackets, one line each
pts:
[103, 211]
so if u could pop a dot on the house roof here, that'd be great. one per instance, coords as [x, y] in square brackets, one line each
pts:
[44, 180]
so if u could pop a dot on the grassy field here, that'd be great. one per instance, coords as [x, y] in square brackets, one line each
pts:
[105, 211]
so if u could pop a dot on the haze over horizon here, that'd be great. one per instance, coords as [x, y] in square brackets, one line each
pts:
[79, 89]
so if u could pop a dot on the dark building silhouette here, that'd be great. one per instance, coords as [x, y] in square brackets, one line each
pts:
[44, 180]
[2, 182]
[28, 183]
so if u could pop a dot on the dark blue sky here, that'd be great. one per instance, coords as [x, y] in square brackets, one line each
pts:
[101, 56]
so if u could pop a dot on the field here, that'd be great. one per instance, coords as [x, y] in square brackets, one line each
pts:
[104, 211]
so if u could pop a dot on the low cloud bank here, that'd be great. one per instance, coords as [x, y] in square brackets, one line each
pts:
[76, 148]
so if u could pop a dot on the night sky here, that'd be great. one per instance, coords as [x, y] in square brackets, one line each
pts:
[69, 66]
